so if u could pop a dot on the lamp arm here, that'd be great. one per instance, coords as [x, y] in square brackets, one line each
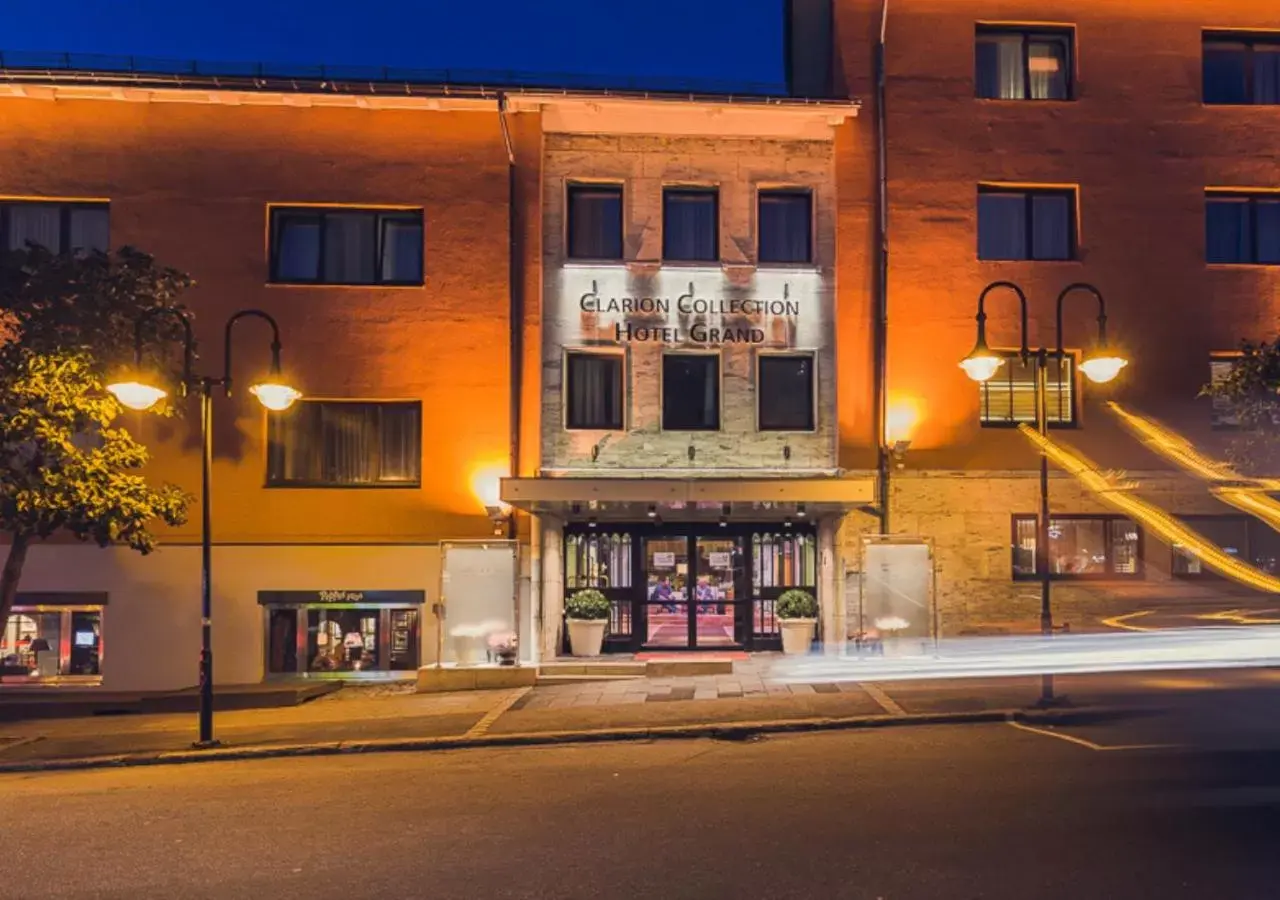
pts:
[982, 313]
[226, 344]
[1102, 311]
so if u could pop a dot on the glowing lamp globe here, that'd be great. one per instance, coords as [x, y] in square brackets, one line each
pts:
[275, 395]
[1101, 369]
[136, 394]
[980, 366]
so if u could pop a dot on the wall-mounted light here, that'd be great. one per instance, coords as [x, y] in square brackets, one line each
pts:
[786, 523]
[725, 510]
[801, 512]
[591, 522]
[653, 511]
[898, 450]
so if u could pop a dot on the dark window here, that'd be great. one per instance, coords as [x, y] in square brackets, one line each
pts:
[1080, 547]
[593, 391]
[786, 226]
[1242, 228]
[690, 225]
[1241, 69]
[1247, 539]
[334, 443]
[595, 222]
[1017, 224]
[1023, 65]
[690, 392]
[58, 227]
[1009, 398]
[786, 393]
[346, 246]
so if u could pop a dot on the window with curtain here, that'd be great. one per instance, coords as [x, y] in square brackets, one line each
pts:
[1241, 69]
[1016, 64]
[1079, 547]
[334, 443]
[346, 246]
[58, 227]
[595, 222]
[1009, 397]
[1026, 224]
[690, 224]
[1242, 228]
[690, 392]
[593, 391]
[786, 226]
[784, 394]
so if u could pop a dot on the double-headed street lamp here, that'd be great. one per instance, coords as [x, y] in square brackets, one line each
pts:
[1100, 365]
[137, 391]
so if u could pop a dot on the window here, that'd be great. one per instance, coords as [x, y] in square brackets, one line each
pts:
[593, 391]
[58, 227]
[1018, 224]
[785, 392]
[1250, 540]
[1080, 547]
[690, 224]
[346, 246]
[1009, 398]
[690, 392]
[52, 636]
[786, 226]
[595, 222]
[1242, 228]
[1223, 413]
[1023, 65]
[1241, 69]
[334, 443]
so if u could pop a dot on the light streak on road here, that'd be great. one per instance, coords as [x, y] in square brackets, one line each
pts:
[1000, 657]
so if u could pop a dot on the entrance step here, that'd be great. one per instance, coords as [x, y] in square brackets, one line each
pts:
[593, 669]
[653, 666]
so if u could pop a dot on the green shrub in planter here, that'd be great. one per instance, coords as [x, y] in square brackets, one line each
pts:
[797, 604]
[587, 604]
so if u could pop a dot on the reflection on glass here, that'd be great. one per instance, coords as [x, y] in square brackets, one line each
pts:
[342, 640]
[666, 591]
[714, 591]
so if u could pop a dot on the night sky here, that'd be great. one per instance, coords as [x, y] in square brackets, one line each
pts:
[722, 41]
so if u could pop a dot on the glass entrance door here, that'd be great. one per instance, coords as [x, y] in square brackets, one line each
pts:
[666, 562]
[717, 563]
[692, 588]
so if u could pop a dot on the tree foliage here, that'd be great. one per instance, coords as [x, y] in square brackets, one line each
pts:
[1248, 398]
[66, 465]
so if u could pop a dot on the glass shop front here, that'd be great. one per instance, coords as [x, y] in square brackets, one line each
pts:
[53, 638]
[341, 633]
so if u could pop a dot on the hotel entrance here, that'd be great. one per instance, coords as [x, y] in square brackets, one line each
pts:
[693, 587]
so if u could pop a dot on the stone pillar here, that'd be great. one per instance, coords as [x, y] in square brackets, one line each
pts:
[552, 585]
[830, 597]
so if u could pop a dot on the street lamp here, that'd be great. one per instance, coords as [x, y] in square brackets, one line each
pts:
[137, 392]
[1100, 365]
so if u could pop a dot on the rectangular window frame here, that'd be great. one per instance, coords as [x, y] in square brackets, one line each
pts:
[984, 389]
[1251, 41]
[382, 215]
[812, 356]
[807, 195]
[573, 186]
[65, 208]
[1029, 193]
[1220, 417]
[1109, 575]
[1028, 32]
[310, 484]
[712, 191]
[1192, 521]
[662, 378]
[624, 375]
[1250, 199]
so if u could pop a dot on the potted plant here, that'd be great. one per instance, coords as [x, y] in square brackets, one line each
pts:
[587, 614]
[797, 613]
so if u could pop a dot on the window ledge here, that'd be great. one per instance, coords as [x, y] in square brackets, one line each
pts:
[1048, 101]
[595, 264]
[331, 285]
[327, 486]
[1037, 262]
[1241, 265]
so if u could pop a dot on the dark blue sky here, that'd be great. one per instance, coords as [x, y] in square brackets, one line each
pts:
[735, 41]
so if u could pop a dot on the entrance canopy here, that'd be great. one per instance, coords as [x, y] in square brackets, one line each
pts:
[631, 498]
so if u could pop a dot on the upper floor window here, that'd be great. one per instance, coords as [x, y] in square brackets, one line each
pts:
[58, 227]
[690, 224]
[593, 391]
[339, 443]
[785, 220]
[310, 245]
[1009, 397]
[1241, 69]
[1080, 547]
[784, 391]
[691, 392]
[595, 221]
[1242, 228]
[1037, 224]
[1023, 64]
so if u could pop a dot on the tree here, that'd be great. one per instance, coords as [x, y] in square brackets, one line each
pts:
[66, 466]
[1248, 397]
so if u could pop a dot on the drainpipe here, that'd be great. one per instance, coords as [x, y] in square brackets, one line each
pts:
[515, 298]
[883, 460]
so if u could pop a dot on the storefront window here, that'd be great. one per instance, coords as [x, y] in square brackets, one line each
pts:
[1246, 539]
[340, 631]
[1080, 547]
[43, 642]
[342, 640]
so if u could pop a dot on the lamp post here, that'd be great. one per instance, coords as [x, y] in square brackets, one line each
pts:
[137, 392]
[1100, 365]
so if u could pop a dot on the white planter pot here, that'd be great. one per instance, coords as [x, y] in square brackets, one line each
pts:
[797, 635]
[586, 636]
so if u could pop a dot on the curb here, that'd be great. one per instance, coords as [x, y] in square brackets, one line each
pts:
[716, 731]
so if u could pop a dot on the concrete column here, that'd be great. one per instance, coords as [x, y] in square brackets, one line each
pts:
[552, 585]
[830, 597]
[534, 594]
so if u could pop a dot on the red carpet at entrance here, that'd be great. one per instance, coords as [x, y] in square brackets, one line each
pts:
[691, 655]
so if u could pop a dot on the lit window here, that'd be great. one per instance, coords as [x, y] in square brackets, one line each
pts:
[595, 222]
[58, 227]
[1009, 397]
[346, 246]
[1023, 65]
[1241, 69]
[1016, 224]
[690, 226]
[1079, 547]
[1242, 228]
[333, 443]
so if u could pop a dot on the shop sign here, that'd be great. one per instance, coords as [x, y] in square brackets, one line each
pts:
[342, 597]
[664, 560]
[721, 560]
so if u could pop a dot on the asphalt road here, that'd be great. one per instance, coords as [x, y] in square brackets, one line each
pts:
[971, 811]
